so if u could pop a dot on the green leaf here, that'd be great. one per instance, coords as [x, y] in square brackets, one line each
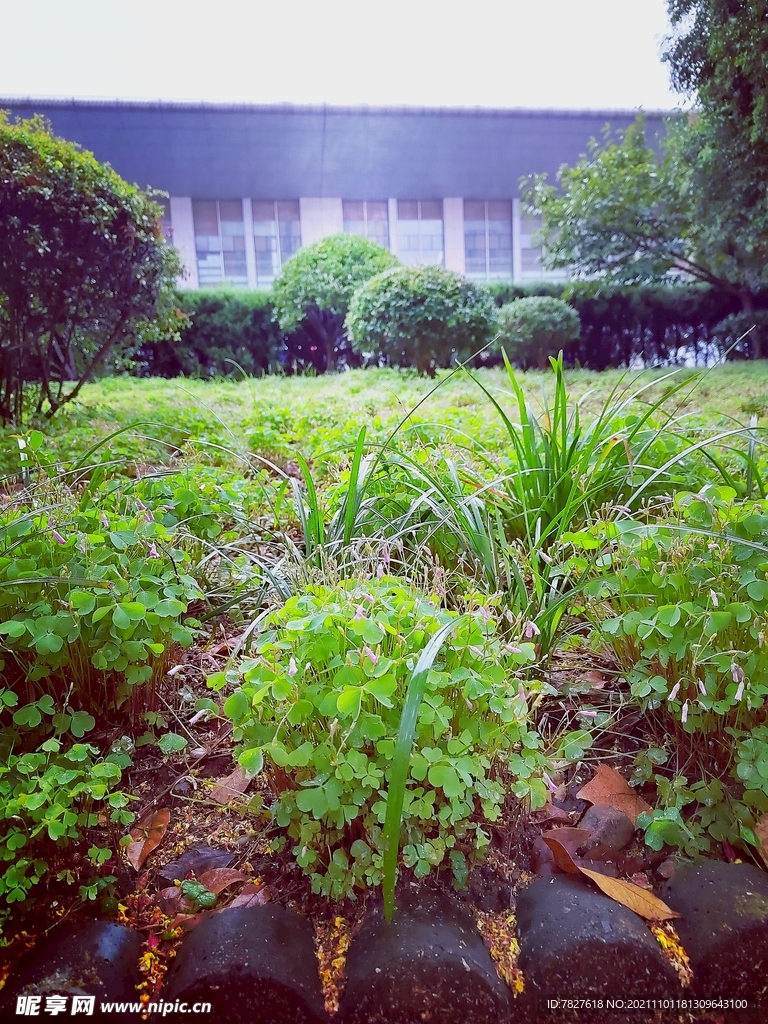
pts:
[172, 743]
[349, 701]
[445, 777]
[252, 761]
[120, 618]
[312, 801]
[399, 772]
[169, 608]
[12, 628]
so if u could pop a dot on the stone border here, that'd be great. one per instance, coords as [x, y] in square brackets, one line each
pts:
[259, 963]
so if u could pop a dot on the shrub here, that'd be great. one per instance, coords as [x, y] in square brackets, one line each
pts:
[222, 331]
[83, 266]
[319, 704]
[420, 316]
[531, 330]
[316, 285]
[687, 618]
[91, 596]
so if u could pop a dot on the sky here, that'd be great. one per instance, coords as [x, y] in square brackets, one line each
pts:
[598, 54]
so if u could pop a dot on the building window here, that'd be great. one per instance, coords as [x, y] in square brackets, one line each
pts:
[369, 219]
[531, 265]
[488, 240]
[220, 242]
[276, 237]
[420, 231]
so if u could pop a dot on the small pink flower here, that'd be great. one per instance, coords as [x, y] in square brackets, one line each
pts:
[141, 505]
[153, 551]
[292, 670]
[380, 570]
[370, 654]
[684, 713]
[359, 613]
[739, 691]
[550, 784]
[737, 672]
[674, 692]
[104, 521]
[531, 629]
[55, 533]
[588, 714]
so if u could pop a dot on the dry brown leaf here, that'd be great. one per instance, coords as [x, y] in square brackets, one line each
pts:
[147, 836]
[219, 878]
[252, 895]
[563, 847]
[609, 787]
[231, 787]
[630, 895]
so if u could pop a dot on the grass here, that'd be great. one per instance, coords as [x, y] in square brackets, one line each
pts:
[276, 416]
[487, 481]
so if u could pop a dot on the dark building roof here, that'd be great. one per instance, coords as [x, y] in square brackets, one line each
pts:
[283, 152]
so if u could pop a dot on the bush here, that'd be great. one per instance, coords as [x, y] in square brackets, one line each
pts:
[316, 285]
[84, 267]
[222, 330]
[687, 617]
[319, 704]
[420, 316]
[532, 330]
[650, 322]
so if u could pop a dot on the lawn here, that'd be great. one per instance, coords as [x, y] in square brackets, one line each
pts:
[317, 415]
[243, 585]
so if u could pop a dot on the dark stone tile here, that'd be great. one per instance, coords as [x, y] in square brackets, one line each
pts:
[724, 929]
[252, 964]
[87, 958]
[577, 942]
[429, 964]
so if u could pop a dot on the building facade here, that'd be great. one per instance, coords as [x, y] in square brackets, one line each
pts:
[247, 186]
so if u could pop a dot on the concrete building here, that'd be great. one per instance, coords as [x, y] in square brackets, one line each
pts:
[249, 185]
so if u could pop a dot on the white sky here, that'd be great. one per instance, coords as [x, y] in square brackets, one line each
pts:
[502, 53]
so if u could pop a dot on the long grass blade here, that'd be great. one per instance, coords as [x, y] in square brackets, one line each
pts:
[396, 790]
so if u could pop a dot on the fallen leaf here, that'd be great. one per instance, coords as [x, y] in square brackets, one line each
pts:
[563, 842]
[252, 895]
[147, 836]
[188, 921]
[761, 834]
[195, 860]
[169, 900]
[629, 895]
[220, 878]
[231, 787]
[609, 787]
[551, 815]
[641, 879]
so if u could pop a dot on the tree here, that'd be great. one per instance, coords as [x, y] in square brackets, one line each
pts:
[533, 329]
[83, 266]
[624, 214]
[317, 284]
[420, 316]
[716, 53]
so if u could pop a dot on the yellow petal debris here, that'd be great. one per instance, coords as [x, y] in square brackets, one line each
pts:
[499, 932]
[332, 939]
[673, 950]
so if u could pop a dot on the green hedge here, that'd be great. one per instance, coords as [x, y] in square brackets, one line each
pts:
[228, 328]
[619, 324]
[225, 329]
